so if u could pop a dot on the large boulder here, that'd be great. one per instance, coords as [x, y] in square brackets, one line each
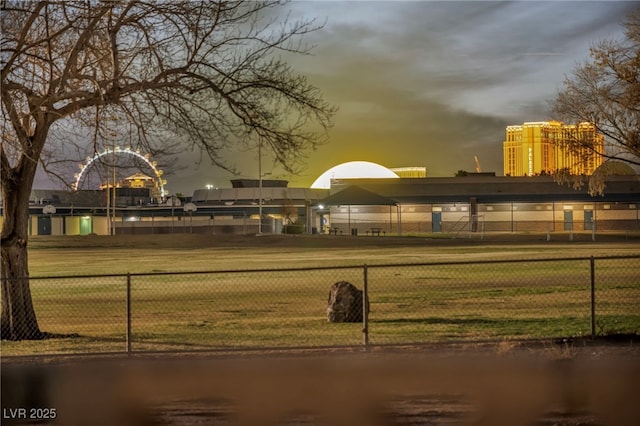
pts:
[345, 303]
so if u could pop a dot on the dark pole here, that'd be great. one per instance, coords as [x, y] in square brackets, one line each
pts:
[365, 308]
[593, 296]
[128, 313]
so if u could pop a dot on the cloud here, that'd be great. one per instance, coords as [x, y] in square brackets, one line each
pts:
[434, 83]
[430, 83]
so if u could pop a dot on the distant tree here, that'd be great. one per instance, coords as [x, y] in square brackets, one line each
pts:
[605, 91]
[461, 173]
[203, 73]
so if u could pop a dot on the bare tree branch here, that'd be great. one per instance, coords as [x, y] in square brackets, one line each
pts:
[207, 73]
[605, 91]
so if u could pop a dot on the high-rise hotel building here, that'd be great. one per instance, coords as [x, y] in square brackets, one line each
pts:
[542, 148]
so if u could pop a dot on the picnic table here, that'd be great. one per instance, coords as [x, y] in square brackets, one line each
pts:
[376, 231]
[334, 230]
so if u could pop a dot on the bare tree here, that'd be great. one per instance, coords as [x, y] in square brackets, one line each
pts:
[605, 91]
[205, 73]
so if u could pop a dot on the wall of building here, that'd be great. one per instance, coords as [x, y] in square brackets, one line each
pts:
[496, 217]
[72, 225]
[212, 225]
[446, 218]
[439, 205]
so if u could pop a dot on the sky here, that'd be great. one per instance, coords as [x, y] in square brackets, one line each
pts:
[426, 83]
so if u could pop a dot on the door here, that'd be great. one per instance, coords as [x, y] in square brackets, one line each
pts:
[44, 225]
[85, 225]
[588, 220]
[568, 220]
[436, 221]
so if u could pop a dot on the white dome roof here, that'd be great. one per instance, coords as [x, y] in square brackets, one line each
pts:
[352, 169]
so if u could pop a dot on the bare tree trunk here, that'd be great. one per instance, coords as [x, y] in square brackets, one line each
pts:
[18, 321]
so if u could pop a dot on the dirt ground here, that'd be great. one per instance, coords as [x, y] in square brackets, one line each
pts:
[543, 382]
[492, 383]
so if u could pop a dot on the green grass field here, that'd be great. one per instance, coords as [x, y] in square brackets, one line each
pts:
[249, 309]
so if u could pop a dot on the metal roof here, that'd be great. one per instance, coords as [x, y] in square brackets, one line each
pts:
[487, 189]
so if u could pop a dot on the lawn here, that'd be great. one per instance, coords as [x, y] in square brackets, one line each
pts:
[234, 307]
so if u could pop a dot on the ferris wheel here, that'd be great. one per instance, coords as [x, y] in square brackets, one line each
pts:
[145, 158]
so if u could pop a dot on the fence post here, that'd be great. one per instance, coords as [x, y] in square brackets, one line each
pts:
[128, 313]
[593, 296]
[365, 308]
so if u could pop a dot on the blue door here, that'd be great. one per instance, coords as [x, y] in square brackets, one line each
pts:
[588, 220]
[568, 220]
[436, 221]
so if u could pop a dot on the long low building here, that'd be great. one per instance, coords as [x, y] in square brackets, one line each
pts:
[475, 203]
[221, 210]
[488, 203]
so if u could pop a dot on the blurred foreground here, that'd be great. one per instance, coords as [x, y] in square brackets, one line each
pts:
[554, 383]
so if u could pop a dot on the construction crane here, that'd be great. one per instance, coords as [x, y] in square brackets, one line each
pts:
[478, 168]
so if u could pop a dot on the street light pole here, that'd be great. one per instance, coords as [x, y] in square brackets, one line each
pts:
[113, 199]
[259, 185]
[108, 190]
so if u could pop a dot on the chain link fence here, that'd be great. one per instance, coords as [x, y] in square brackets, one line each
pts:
[287, 308]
